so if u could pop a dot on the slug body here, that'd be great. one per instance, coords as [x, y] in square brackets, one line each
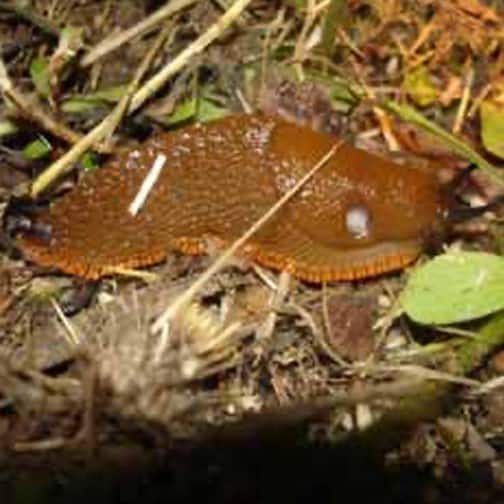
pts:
[360, 215]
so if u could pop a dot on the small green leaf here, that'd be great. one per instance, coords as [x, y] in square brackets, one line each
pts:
[492, 127]
[110, 94]
[343, 98]
[209, 111]
[89, 161]
[455, 287]
[37, 149]
[183, 112]
[420, 87]
[39, 72]
[83, 103]
[202, 109]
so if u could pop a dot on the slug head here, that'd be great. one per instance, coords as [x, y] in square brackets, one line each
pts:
[360, 200]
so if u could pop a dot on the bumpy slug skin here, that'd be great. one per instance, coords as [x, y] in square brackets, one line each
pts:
[359, 216]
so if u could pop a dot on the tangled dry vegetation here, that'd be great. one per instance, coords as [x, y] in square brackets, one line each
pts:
[250, 352]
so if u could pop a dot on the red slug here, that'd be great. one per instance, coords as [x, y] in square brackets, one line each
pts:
[360, 215]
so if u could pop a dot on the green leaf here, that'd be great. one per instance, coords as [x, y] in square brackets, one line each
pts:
[209, 111]
[420, 87]
[89, 161]
[83, 103]
[110, 94]
[39, 72]
[201, 109]
[37, 149]
[183, 111]
[492, 127]
[343, 98]
[455, 287]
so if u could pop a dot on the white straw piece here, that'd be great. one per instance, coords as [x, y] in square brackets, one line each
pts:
[147, 185]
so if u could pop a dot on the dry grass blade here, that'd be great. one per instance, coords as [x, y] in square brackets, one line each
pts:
[277, 300]
[490, 386]
[71, 336]
[464, 103]
[428, 374]
[145, 26]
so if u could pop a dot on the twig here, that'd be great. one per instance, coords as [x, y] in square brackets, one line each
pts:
[72, 338]
[189, 294]
[265, 331]
[478, 100]
[490, 386]
[145, 276]
[422, 37]
[148, 24]
[43, 445]
[464, 103]
[425, 373]
[386, 129]
[62, 164]
[343, 35]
